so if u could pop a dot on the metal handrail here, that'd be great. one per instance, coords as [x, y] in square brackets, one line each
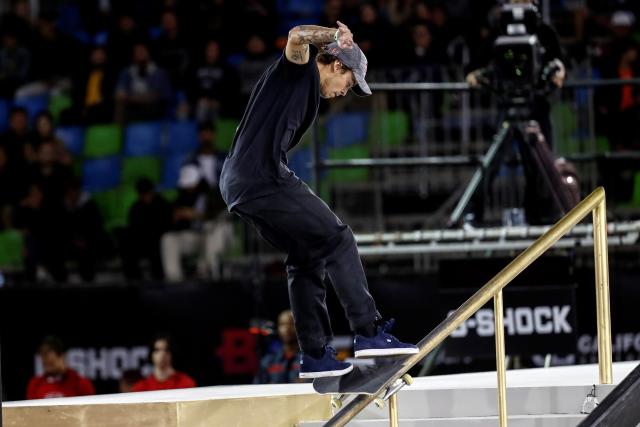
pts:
[594, 203]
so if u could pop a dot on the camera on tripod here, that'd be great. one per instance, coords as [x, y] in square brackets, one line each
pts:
[518, 65]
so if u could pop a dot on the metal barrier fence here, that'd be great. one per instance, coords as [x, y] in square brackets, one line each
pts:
[450, 128]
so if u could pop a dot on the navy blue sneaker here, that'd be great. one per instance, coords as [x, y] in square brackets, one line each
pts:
[327, 366]
[383, 344]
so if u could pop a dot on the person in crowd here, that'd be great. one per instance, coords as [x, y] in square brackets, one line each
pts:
[149, 219]
[44, 133]
[143, 91]
[49, 172]
[18, 20]
[281, 364]
[256, 59]
[128, 379]
[171, 49]
[16, 139]
[164, 375]
[12, 186]
[57, 379]
[122, 38]
[54, 53]
[85, 240]
[42, 233]
[200, 225]
[212, 84]
[93, 93]
[373, 32]
[15, 61]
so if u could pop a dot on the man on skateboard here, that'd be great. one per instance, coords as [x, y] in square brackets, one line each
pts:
[258, 186]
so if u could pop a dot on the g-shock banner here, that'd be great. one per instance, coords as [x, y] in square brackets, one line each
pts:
[536, 320]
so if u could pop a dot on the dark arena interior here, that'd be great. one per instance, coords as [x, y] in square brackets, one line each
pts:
[200, 201]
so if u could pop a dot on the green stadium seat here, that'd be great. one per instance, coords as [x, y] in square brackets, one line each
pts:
[225, 131]
[635, 198]
[340, 175]
[389, 127]
[134, 168]
[102, 140]
[602, 144]
[170, 195]
[11, 249]
[114, 205]
[59, 103]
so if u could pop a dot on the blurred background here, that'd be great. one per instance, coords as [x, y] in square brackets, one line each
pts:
[115, 119]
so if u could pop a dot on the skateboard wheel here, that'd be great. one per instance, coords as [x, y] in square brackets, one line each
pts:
[336, 402]
[379, 402]
[408, 379]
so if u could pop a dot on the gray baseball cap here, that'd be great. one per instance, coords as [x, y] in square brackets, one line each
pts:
[353, 58]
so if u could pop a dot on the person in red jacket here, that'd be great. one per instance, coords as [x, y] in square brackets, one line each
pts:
[164, 376]
[57, 380]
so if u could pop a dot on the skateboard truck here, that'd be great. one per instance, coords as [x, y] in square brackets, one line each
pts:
[338, 399]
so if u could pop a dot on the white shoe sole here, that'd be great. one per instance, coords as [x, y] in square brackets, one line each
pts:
[326, 373]
[374, 352]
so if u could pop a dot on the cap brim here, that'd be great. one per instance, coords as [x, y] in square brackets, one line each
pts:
[361, 88]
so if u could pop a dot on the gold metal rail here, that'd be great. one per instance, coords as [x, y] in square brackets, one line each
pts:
[594, 202]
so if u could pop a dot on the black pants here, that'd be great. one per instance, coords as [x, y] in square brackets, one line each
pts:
[297, 222]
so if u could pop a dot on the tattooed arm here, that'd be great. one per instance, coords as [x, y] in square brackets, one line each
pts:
[302, 36]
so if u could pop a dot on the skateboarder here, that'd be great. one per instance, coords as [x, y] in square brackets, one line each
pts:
[257, 185]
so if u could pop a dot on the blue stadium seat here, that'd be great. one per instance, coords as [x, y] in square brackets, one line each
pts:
[182, 137]
[33, 104]
[143, 139]
[5, 106]
[101, 174]
[171, 170]
[347, 129]
[73, 138]
[298, 161]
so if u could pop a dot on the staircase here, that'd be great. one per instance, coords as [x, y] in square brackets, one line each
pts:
[552, 397]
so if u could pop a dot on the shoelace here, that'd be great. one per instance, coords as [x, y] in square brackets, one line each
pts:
[332, 351]
[388, 325]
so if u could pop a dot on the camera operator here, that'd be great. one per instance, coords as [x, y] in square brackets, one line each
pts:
[553, 71]
[524, 69]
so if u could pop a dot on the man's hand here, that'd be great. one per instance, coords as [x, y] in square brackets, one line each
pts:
[302, 36]
[345, 37]
[472, 79]
[560, 74]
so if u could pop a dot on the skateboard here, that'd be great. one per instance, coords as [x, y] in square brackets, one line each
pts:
[365, 379]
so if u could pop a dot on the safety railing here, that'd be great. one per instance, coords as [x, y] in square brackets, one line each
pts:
[595, 203]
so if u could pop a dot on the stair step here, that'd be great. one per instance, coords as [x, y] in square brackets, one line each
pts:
[555, 420]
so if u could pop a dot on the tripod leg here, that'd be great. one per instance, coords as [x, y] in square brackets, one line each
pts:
[487, 162]
[541, 163]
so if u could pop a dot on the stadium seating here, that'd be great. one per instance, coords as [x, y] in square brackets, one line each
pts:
[34, 104]
[182, 137]
[73, 138]
[11, 249]
[114, 205]
[59, 103]
[102, 140]
[171, 170]
[5, 106]
[351, 174]
[389, 127]
[101, 174]
[134, 168]
[347, 129]
[225, 130]
[143, 139]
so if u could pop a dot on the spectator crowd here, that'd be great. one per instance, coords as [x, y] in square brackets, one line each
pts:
[139, 60]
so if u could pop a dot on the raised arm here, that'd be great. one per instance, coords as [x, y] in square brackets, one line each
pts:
[302, 36]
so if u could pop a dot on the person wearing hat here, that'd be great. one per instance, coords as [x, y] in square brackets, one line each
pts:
[258, 186]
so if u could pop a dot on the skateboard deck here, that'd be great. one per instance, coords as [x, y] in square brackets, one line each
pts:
[363, 379]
